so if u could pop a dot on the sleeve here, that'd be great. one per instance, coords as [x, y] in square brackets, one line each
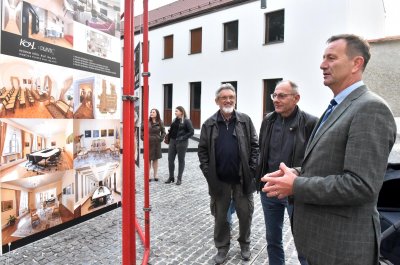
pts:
[367, 142]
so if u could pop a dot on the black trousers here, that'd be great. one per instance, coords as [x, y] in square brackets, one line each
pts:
[244, 204]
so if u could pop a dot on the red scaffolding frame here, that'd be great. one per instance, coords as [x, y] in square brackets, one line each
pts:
[130, 224]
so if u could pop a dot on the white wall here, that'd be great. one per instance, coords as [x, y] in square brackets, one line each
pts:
[308, 24]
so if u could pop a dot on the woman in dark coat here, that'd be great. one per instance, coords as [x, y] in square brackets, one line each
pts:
[156, 136]
[179, 133]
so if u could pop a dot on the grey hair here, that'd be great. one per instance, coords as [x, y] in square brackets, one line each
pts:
[224, 87]
[293, 85]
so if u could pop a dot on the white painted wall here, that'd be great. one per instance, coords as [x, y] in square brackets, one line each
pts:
[308, 24]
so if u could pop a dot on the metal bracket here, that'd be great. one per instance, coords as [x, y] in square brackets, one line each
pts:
[130, 98]
[147, 209]
[146, 74]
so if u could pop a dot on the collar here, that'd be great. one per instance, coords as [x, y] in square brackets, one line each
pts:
[342, 95]
[220, 117]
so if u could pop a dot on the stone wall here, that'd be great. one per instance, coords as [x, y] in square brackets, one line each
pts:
[382, 74]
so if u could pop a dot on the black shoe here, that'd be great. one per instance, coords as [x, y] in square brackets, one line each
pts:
[220, 257]
[169, 180]
[245, 253]
[155, 179]
[178, 182]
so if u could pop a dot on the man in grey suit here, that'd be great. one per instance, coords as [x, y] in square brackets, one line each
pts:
[335, 219]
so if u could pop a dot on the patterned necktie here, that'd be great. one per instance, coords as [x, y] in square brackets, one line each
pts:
[329, 110]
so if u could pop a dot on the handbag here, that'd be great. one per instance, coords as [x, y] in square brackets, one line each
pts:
[166, 138]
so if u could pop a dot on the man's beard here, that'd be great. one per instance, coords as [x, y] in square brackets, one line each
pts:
[227, 109]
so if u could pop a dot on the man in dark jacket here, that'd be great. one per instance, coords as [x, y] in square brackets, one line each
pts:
[228, 154]
[284, 135]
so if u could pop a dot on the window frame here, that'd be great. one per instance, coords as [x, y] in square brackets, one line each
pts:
[169, 47]
[193, 45]
[267, 30]
[225, 36]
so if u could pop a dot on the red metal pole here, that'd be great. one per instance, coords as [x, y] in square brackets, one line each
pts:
[128, 161]
[146, 126]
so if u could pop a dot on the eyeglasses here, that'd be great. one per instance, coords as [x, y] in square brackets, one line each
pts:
[280, 96]
[225, 98]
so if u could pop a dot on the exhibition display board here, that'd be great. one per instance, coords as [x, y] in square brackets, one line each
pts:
[60, 117]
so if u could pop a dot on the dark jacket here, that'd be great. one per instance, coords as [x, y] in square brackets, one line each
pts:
[301, 127]
[248, 152]
[185, 130]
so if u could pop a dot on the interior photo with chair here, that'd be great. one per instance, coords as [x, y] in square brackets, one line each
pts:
[35, 90]
[30, 147]
[32, 205]
[96, 142]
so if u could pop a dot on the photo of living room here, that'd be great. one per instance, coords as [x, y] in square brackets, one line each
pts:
[31, 89]
[31, 147]
[101, 186]
[34, 204]
[96, 142]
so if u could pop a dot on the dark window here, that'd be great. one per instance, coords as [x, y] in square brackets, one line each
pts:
[196, 95]
[269, 88]
[195, 104]
[231, 33]
[195, 40]
[234, 84]
[275, 26]
[169, 46]
[168, 104]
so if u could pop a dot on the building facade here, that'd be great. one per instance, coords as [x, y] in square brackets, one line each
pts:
[193, 49]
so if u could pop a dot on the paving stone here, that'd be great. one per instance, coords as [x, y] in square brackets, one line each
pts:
[181, 229]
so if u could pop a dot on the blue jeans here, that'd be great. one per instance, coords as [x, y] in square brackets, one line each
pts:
[231, 211]
[274, 211]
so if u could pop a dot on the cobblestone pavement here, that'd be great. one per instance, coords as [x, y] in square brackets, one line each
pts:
[181, 229]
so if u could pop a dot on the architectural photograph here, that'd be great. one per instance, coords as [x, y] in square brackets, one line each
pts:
[200, 132]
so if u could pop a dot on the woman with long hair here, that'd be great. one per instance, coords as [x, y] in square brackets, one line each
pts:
[179, 133]
[156, 136]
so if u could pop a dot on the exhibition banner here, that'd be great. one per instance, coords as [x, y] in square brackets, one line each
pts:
[60, 117]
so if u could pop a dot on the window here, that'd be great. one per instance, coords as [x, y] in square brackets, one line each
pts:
[274, 26]
[269, 88]
[169, 46]
[13, 144]
[23, 204]
[195, 40]
[231, 33]
[168, 89]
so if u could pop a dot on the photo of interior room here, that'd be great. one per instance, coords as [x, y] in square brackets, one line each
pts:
[12, 16]
[84, 98]
[31, 89]
[34, 204]
[31, 147]
[100, 15]
[101, 186]
[40, 21]
[96, 142]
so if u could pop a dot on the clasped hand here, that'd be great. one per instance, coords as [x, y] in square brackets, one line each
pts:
[279, 183]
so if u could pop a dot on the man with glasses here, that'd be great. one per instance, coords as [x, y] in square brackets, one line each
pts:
[228, 153]
[284, 135]
[335, 219]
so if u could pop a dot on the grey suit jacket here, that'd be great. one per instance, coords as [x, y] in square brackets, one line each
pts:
[335, 218]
